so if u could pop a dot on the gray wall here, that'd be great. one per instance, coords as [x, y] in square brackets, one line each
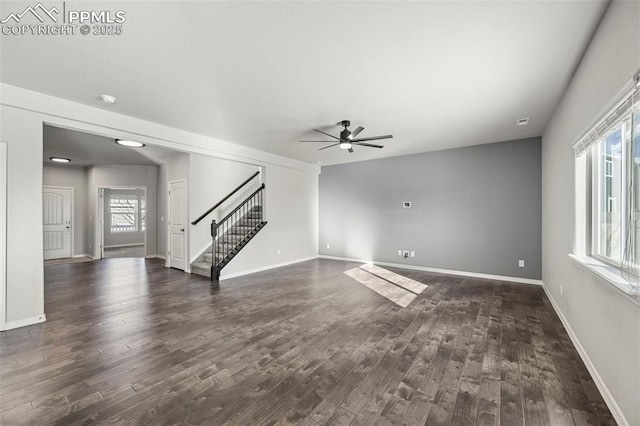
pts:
[76, 178]
[606, 324]
[475, 209]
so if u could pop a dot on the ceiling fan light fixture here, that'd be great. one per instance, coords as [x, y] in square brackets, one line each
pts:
[130, 144]
[345, 145]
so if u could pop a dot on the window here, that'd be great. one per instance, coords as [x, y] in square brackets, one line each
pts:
[608, 182]
[608, 192]
[128, 213]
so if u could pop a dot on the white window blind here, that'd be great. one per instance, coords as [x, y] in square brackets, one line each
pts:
[619, 113]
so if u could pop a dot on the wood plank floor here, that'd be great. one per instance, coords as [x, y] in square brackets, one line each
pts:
[128, 341]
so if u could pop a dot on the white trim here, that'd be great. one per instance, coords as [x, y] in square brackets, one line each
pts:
[265, 268]
[602, 387]
[125, 245]
[10, 325]
[3, 236]
[156, 256]
[100, 218]
[440, 271]
[76, 256]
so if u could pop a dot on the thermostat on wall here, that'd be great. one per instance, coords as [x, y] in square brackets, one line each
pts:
[406, 204]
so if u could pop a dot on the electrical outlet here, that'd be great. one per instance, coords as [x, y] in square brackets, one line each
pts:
[405, 254]
[399, 252]
[561, 290]
[413, 254]
[328, 245]
[279, 252]
[521, 263]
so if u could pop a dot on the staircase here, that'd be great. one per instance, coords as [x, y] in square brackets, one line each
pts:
[230, 243]
[232, 233]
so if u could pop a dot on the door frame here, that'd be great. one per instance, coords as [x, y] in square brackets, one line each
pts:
[3, 236]
[98, 234]
[73, 216]
[187, 256]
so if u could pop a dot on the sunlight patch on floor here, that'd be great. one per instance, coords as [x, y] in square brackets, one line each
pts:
[400, 290]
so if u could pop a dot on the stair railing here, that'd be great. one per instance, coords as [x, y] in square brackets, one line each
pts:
[235, 230]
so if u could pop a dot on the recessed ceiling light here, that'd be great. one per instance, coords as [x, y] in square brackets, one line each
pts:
[522, 121]
[130, 144]
[59, 159]
[108, 99]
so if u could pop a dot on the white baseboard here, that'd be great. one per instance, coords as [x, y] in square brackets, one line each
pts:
[124, 245]
[76, 256]
[157, 256]
[10, 325]
[440, 271]
[602, 387]
[265, 268]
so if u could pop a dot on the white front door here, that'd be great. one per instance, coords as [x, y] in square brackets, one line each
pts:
[178, 225]
[56, 218]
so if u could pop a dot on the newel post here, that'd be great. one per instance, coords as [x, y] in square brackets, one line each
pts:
[215, 274]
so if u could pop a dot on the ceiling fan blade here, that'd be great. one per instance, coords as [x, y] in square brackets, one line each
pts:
[367, 144]
[327, 134]
[350, 150]
[316, 141]
[335, 144]
[356, 132]
[372, 138]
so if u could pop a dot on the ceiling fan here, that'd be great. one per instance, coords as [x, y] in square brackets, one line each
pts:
[347, 139]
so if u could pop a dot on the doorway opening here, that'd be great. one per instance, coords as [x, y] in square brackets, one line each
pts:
[123, 222]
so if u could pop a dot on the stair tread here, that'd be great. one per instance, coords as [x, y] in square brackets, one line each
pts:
[236, 242]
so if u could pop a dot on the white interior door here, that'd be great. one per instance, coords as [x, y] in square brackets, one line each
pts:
[56, 218]
[178, 225]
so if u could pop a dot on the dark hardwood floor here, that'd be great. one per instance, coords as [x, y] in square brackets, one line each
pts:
[128, 341]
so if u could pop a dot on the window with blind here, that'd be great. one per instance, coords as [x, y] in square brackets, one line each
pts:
[128, 213]
[608, 189]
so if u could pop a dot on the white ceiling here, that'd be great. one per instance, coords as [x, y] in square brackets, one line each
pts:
[85, 149]
[436, 75]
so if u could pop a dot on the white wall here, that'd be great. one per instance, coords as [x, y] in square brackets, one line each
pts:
[22, 115]
[76, 178]
[292, 215]
[22, 131]
[606, 323]
[211, 179]
[126, 176]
